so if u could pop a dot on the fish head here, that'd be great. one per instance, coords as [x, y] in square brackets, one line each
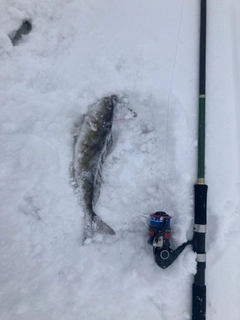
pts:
[105, 114]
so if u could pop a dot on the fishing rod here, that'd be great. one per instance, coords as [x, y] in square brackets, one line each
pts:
[159, 227]
[200, 207]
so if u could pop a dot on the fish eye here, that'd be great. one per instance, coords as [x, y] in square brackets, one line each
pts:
[109, 106]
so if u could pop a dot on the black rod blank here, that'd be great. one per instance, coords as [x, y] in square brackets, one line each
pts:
[203, 29]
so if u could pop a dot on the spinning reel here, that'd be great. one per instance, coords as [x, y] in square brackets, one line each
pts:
[159, 235]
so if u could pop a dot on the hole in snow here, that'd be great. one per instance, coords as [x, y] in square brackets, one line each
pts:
[16, 36]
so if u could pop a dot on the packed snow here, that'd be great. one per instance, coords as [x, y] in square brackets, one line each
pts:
[77, 52]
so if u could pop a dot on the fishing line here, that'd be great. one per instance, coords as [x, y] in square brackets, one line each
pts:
[168, 107]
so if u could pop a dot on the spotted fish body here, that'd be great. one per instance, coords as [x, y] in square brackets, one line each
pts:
[91, 147]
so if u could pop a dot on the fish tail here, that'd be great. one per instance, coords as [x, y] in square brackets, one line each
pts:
[96, 225]
[101, 227]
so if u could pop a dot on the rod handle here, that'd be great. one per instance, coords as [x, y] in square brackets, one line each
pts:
[199, 302]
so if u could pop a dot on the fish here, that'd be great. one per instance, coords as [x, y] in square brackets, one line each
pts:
[92, 142]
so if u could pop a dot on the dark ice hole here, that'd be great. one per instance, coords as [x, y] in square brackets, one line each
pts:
[25, 28]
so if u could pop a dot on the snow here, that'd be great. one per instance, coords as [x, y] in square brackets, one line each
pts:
[77, 52]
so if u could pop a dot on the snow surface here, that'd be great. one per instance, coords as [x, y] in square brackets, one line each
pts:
[77, 52]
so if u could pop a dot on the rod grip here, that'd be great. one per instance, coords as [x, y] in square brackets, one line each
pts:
[199, 287]
[199, 302]
[200, 204]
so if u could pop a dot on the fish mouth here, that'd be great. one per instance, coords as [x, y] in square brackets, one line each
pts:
[111, 101]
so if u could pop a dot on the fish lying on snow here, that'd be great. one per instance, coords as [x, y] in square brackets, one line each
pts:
[91, 145]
